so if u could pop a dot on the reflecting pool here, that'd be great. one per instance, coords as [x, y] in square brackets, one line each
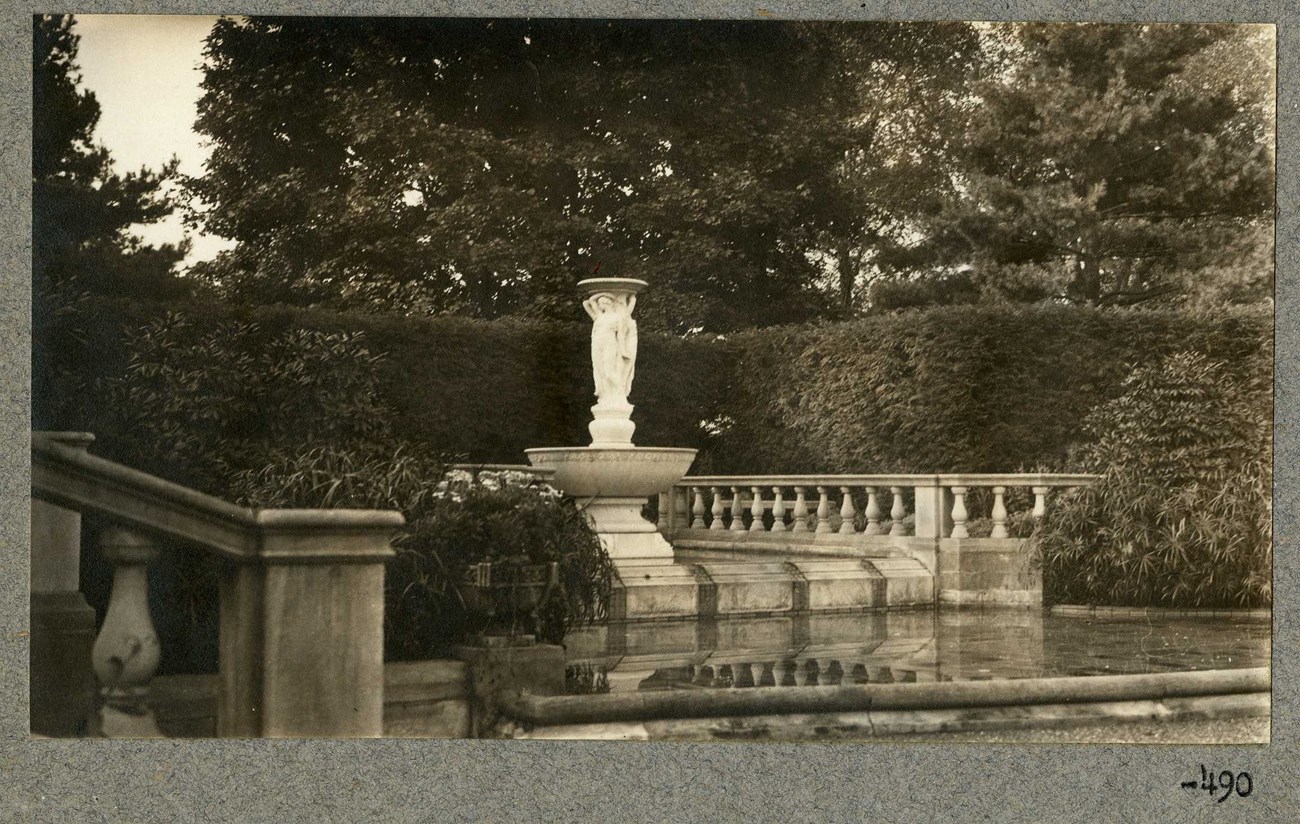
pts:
[902, 646]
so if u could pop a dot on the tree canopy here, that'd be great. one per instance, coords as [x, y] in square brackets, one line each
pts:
[754, 172]
[1111, 165]
[83, 210]
[485, 166]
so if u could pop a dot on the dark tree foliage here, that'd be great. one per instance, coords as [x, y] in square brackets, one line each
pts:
[82, 210]
[483, 167]
[1110, 165]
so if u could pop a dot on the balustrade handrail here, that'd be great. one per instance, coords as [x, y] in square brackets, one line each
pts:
[70, 477]
[944, 479]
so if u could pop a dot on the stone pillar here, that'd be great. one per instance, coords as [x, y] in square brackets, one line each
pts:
[62, 623]
[933, 511]
[302, 627]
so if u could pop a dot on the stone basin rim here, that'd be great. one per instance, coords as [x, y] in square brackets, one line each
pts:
[591, 450]
[593, 285]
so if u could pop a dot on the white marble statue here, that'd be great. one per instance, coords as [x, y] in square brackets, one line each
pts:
[613, 345]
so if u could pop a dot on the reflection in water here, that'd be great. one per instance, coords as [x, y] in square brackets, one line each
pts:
[902, 646]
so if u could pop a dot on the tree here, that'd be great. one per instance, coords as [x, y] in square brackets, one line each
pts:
[83, 211]
[484, 166]
[1111, 165]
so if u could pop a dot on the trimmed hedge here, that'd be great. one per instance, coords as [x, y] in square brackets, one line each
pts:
[984, 388]
[481, 390]
[958, 389]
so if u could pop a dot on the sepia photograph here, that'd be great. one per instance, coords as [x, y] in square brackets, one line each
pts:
[672, 380]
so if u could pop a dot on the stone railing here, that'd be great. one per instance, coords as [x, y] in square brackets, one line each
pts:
[923, 517]
[848, 505]
[301, 601]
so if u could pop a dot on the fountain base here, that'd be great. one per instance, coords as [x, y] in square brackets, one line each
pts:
[611, 484]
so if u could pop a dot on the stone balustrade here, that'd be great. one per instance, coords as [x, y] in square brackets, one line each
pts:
[924, 506]
[301, 598]
[885, 519]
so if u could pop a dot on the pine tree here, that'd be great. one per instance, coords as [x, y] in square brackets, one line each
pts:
[82, 210]
[1112, 165]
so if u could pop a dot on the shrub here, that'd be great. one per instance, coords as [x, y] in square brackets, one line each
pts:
[201, 403]
[505, 518]
[1181, 515]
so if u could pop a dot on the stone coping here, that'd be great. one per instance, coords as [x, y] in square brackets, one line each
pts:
[950, 479]
[590, 709]
[914, 725]
[1242, 613]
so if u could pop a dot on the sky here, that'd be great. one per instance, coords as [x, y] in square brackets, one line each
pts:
[145, 71]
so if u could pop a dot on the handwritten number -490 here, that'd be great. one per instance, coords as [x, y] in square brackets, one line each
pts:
[1228, 782]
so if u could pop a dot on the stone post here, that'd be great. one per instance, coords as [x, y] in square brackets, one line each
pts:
[62, 623]
[302, 627]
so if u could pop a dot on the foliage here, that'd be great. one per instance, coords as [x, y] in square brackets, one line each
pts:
[82, 210]
[982, 388]
[1111, 165]
[482, 391]
[477, 167]
[203, 403]
[508, 519]
[1182, 513]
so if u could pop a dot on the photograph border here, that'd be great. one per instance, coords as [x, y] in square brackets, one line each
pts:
[410, 779]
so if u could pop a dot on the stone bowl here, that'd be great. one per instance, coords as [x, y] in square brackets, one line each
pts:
[613, 472]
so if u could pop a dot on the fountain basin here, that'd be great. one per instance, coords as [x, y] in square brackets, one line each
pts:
[613, 472]
[612, 484]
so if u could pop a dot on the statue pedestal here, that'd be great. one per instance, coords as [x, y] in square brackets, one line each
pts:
[611, 424]
[628, 538]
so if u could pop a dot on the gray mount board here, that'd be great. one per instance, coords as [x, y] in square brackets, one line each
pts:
[416, 780]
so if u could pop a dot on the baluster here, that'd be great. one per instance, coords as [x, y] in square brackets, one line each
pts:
[846, 511]
[681, 503]
[697, 510]
[873, 512]
[800, 515]
[823, 510]
[1040, 501]
[756, 510]
[126, 652]
[726, 677]
[717, 509]
[897, 512]
[812, 677]
[999, 513]
[959, 512]
[737, 510]
[768, 677]
[778, 510]
[744, 675]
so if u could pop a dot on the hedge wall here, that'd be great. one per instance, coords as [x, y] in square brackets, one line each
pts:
[982, 388]
[478, 389]
[970, 388]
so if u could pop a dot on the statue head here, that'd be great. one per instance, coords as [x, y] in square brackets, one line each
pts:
[605, 301]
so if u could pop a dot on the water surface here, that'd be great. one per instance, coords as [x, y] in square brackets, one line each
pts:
[904, 646]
